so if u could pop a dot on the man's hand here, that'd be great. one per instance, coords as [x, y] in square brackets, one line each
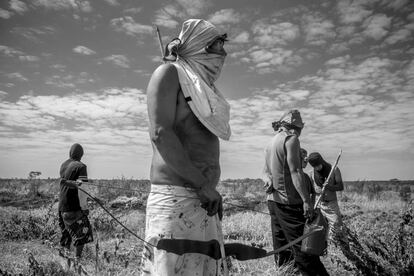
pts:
[211, 200]
[78, 182]
[269, 186]
[308, 210]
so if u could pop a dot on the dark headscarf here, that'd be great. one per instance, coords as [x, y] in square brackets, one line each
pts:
[76, 152]
[315, 159]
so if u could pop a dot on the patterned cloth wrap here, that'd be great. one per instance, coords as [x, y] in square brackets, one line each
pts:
[75, 227]
[174, 212]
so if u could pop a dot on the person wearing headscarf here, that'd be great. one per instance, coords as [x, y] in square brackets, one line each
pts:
[329, 202]
[288, 193]
[187, 115]
[73, 214]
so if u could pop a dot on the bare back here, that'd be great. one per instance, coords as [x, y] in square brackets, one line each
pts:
[182, 146]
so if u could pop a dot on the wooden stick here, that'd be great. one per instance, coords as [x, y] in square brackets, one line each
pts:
[327, 179]
[157, 30]
[286, 246]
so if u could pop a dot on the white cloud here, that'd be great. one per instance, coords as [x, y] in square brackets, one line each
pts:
[268, 35]
[241, 38]
[112, 2]
[34, 34]
[399, 36]
[128, 25]
[83, 50]
[225, 16]
[110, 124]
[168, 15]
[69, 80]
[116, 108]
[5, 14]
[82, 5]
[29, 58]
[134, 10]
[18, 6]
[3, 95]
[193, 7]
[9, 51]
[351, 12]
[17, 76]
[377, 26]
[118, 60]
[318, 31]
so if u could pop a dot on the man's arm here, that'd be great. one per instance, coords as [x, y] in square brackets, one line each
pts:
[336, 183]
[267, 179]
[295, 167]
[162, 93]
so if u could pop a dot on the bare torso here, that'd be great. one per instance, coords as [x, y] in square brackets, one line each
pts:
[201, 146]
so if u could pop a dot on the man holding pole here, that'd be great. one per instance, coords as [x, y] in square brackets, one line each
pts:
[328, 200]
[289, 199]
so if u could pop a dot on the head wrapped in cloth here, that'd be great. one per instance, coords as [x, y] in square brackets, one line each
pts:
[192, 47]
[290, 119]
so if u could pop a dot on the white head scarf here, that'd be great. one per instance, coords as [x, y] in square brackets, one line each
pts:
[197, 71]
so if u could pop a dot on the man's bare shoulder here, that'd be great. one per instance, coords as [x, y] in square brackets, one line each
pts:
[165, 71]
[292, 141]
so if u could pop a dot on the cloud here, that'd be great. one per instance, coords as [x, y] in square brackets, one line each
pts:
[18, 6]
[17, 76]
[3, 94]
[82, 50]
[399, 36]
[225, 16]
[172, 15]
[110, 124]
[69, 80]
[10, 51]
[5, 14]
[81, 5]
[134, 10]
[128, 25]
[116, 108]
[269, 35]
[352, 12]
[118, 60]
[265, 61]
[377, 26]
[32, 34]
[193, 7]
[112, 2]
[318, 31]
[29, 58]
[241, 38]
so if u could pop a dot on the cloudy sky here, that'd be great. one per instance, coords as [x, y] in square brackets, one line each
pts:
[77, 70]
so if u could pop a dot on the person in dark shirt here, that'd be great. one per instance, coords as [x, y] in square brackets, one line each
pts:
[73, 222]
[304, 158]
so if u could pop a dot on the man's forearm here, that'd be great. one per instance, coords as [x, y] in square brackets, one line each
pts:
[173, 153]
[297, 179]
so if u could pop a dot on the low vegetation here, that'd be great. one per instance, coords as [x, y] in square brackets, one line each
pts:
[379, 221]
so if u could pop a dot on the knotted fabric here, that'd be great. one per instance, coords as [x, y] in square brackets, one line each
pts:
[197, 71]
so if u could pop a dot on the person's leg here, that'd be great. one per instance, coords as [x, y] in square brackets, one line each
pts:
[78, 251]
[278, 237]
[79, 227]
[65, 239]
[292, 223]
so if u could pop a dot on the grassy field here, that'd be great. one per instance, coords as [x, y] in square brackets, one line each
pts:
[379, 219]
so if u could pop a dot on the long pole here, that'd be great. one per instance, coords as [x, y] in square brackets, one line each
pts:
[157, 30]
[327, 179]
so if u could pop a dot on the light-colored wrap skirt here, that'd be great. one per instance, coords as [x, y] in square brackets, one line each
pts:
[174, 212]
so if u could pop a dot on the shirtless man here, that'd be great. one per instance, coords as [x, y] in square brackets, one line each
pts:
[184, 204]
